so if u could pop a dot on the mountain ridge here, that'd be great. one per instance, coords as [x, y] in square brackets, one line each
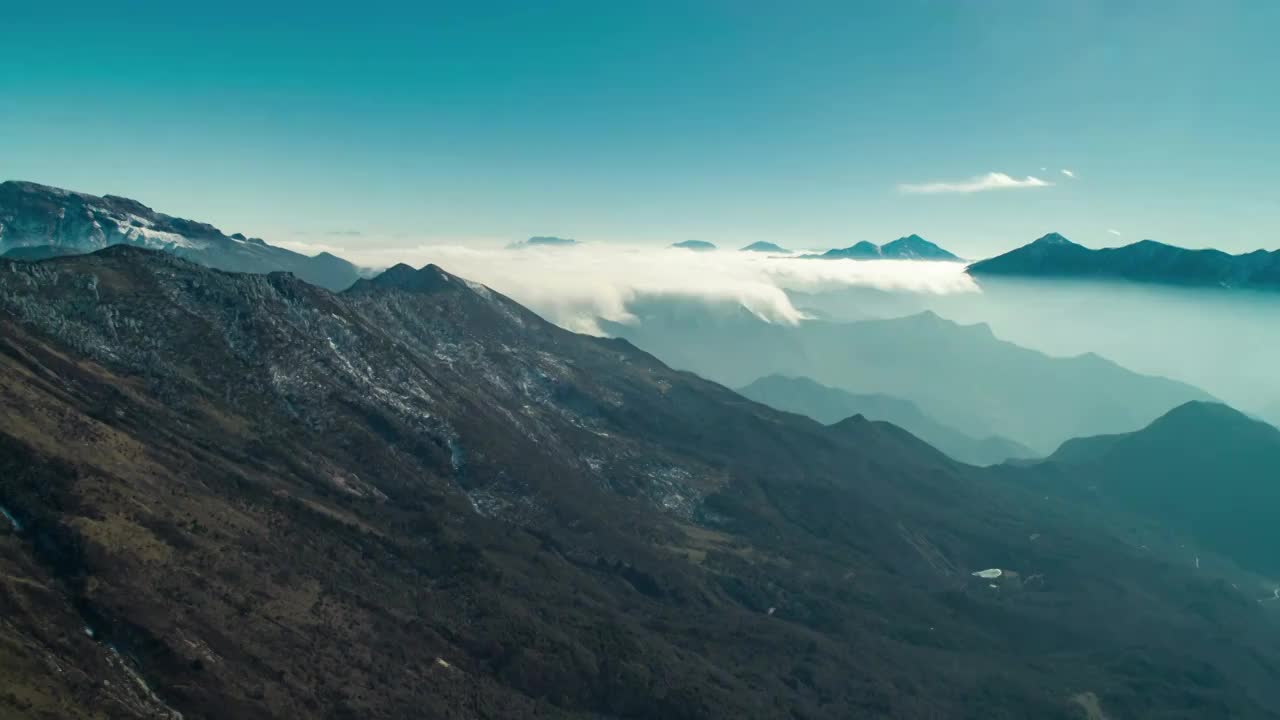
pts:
[1145, 261]
[40, 221]
[909, 247]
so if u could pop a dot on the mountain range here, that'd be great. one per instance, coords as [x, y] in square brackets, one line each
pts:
[831, 405]
[911, 247]
[243, 496]
[962, 376]
[37, 221]
[1147, 261]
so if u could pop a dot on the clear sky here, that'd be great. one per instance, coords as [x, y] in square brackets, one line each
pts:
[807, 124]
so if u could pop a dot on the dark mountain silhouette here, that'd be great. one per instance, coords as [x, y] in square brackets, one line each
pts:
[37, 222]
[240, 496]
[831, 405]
[544, 241]
[960, 375]
[1203, 470]
[699, 245]
[911, 247]
[762, 246]
[1054, 256]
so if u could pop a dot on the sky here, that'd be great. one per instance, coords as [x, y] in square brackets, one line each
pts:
[979, 125]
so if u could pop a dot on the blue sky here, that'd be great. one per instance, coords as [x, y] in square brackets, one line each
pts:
[798, 122]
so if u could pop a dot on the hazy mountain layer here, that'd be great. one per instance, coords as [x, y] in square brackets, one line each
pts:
[37, 222]
[962, 376]
[830, 405]
[417, 499]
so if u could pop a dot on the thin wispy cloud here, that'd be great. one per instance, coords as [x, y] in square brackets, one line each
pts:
[1068, 173]
[980, 183]
[1115, 232]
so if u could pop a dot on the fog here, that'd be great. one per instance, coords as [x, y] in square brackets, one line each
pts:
[1225, 342]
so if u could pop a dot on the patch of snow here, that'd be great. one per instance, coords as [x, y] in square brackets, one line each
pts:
[989, 574]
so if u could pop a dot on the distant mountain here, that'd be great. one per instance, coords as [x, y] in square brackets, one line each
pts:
[1054, 256]
[831, 405]
[764, 247]
[229, 495]
[38, 222]
[960, 375]
[1202, 470]
[911, 247]
[544, 241]
[699, 245]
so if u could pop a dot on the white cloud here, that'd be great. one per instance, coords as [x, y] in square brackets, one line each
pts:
[990, 181]
[575, 286]
[308, 248]
[1068, 173]
[1117, 233]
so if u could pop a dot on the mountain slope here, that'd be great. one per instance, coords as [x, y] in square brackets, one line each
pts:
[1146, 261]
[1203, 470]
[38, 222]
[831, 405]
[417, 499]
[962, 376]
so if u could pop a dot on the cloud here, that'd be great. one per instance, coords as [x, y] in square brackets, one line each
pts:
[345, 233]
[577, 285]
[308, 248]
[1117, 233]
[980, 183]
[1068, 173]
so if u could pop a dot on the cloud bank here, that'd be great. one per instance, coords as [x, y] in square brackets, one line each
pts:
[577, 285]
[980, 183]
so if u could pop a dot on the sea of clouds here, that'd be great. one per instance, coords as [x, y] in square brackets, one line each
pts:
[576, 285]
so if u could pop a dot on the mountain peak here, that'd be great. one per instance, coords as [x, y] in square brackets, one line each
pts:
[914, 247]
[544, 241]
[429, 279]
[699, 245]
[763, 246]
[1052, 238]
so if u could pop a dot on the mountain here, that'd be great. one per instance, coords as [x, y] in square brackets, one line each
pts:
[960, 375]
[38, 222]
[698, 245]
[1202, 470]
[545, 241]
[1147, 261]
[763, 246]
[911, 247]
[240, 496]
[831, 405]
